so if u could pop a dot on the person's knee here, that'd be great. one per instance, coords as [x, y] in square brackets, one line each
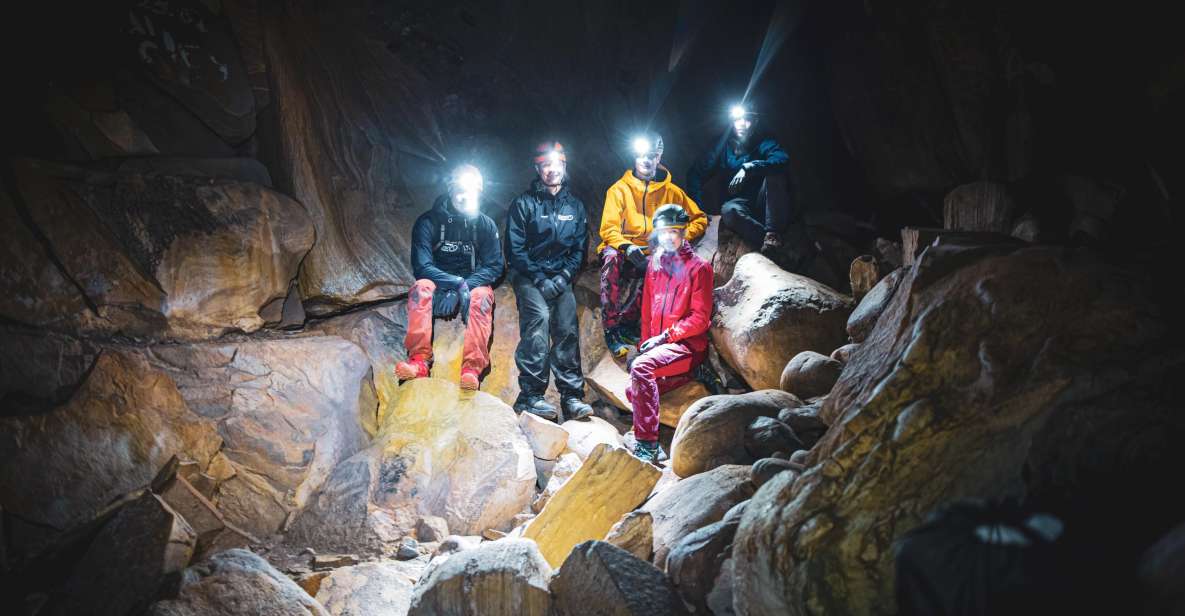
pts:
[642, 368]
[482, 298]
[421, 291]
[732, 211]
[611, 257]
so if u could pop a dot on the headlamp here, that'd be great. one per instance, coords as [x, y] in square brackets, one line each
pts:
[469, 181]
[553, 157]
[737, 112]
[641, 146]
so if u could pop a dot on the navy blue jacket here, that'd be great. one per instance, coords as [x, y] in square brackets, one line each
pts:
[546, 235]
[764, 152]
[448, 247]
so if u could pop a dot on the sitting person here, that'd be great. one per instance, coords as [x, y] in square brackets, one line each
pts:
[456, 257]
[625, 236]
[676, 314]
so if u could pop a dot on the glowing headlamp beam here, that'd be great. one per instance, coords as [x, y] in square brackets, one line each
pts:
[641, 146]
[737, 112]
[470, 182]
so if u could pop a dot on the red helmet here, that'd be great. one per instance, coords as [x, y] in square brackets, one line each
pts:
[550, 150]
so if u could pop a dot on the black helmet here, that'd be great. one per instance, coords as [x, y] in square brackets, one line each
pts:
[670, 216]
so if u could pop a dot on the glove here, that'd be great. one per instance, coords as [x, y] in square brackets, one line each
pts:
[445, 303]
[737, 181]
[650, 343]
[637, 256]
[463, 301]
[551, 288]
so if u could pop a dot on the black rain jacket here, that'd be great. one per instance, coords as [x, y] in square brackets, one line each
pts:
[763, 151]
[546, 235]
[448, 247]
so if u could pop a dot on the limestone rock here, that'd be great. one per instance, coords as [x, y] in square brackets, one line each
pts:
[431, 528]
[439, 451]
[586, 434]
[610, 483]
[185, 257]
[1002, 364]
[602, 579]
[766, 436]
[610, 380]
[696, 560]
[719, 599]
[810, 374]
[694, 503]
[805, 422]
[862, 275]
[128, 562]
[765, 315]
[547, 439]
[499, 578]
[634, 533]
[561, 472]
[40, 370]
[288, 410]
[979, 206]
[91, 450]
[764, 469]
[864, 317]
[844, 353]
[237, 582]
[712, 432]
[378, 588]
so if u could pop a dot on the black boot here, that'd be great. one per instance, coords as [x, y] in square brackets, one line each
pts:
[575, 408]
[536, 405]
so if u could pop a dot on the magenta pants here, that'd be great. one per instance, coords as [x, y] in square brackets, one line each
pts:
[658, 370]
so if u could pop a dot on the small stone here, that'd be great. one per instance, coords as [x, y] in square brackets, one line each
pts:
[763, 470]
[408, 549]
[325, 562]
[547, 439]
[799, 457]
[634, 533]
[810, 374]
[766, 436]
[492, 534]
[431, 528]
[457, 543]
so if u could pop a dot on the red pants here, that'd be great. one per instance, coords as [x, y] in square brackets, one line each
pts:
[621, 289]
[658, 370]
[476, 354]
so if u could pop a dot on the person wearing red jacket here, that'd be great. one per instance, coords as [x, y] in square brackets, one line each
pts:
[676, 314]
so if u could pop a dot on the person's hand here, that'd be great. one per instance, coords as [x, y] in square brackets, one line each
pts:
[463, 301]
[737, 181]
[652, 342]
[550, 289]
[637, 256]
[444, 303]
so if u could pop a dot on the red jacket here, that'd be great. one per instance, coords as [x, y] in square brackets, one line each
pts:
[677, 299]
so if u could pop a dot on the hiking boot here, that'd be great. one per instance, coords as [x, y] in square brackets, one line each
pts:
[470, 380]
[414, 368]
[575, 408]
[649, 451]
[617, 346]
[535, 405]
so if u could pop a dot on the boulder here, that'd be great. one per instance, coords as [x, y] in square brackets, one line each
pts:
[431, 528]
[694, 503]
[695, 561]
[439, 451]
[128, 562]
[237, 582]
[1001, 365]
[604, 580]
[805, 422]
[979, 206]
[766, 436]
[609, 484]
[560, 473]
[586, 434]
[91, 450]
[610, 380]
[378, 588]
[862, 275]
[634, 533]
[766, 315]
[499, 578]
[1160, 571]
[547, 439]
[844, 353]
[810, 374]
[712, 431]
[864, 317]
[719, 599]
[764, 469]
[288, 411]
[158, 255]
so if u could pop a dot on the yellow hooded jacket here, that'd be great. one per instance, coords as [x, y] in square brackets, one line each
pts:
[630, 204]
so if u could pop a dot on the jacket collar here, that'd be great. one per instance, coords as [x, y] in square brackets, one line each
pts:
[537, 188]
[662, 178]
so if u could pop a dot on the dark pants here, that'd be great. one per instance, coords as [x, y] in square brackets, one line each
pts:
[549, 339]
[621, 289]
[763, 208]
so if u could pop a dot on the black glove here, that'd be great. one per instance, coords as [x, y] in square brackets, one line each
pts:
[463, 303]
[445, 303]
[637, 256]
[650, 343]
[550, 288]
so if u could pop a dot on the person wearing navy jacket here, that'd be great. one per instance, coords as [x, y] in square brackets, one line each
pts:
[759, 208]
[456, 257]
[546, 236]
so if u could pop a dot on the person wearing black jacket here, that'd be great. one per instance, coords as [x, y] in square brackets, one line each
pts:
[759, 209]
[546, 236]
[456, 257]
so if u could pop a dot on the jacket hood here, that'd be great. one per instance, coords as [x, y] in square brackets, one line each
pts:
[662, 178]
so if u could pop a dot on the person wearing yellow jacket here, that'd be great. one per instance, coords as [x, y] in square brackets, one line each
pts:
[630, 204]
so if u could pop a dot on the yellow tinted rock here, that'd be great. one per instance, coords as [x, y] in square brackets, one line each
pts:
[609, 484]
